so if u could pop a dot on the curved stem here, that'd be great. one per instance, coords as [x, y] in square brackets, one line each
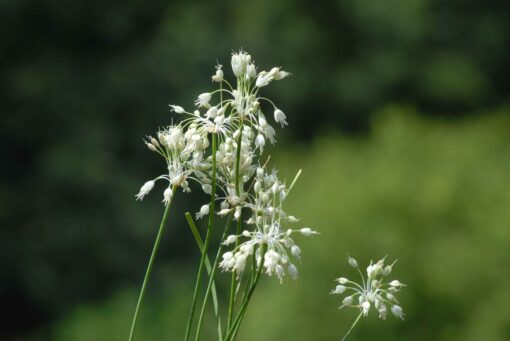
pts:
[151, 263]
[207, 239]
[211, 276]
[352, 327]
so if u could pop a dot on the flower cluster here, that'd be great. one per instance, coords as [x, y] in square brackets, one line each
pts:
[268, 243]
[184, 156]
[235, 117]
[371, 291]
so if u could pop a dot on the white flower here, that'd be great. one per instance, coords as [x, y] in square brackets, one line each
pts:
[365, 307]
[398, 312]
[306, 231]
[372, 290]
[279, 117]
[347, 301]
[177, 109]
[203, 99]
[263, 80]
[239, 63]
[293, 271]
[339, 289]
[146, 188]
[167, 196]
[260, 141]
[218, 76]
[251, 71]
[353, 262]
[204, 210]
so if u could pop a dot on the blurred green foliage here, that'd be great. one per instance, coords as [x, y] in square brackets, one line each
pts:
[428, 192]
[81, 83]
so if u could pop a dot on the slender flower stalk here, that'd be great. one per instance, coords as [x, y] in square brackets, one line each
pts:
[352, 327]
[206, 243]
[149, 266]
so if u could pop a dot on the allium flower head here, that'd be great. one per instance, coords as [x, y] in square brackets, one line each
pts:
[270, 244]
[372, 291]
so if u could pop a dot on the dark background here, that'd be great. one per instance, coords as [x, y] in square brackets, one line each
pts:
[82, 82]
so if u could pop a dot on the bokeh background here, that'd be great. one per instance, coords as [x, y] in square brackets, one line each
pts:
[399, 118]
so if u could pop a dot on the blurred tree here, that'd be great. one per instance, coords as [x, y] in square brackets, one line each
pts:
[81, 82]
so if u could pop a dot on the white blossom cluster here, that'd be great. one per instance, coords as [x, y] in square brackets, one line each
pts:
[268, 236]
[183, 152]
[373, 290]
[235, 115]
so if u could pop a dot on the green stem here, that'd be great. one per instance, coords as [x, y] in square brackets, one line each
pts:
[207, 240]
[151, 263]
[244, 305]
[211, 277]
[233, 279]
[352, 327]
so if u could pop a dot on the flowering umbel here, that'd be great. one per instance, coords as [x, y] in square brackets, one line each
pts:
[372, 291]
[219, 144]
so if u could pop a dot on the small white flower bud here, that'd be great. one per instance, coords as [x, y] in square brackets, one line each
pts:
[237, 213]
[250, 71]
[212, 112]
[365, 306]
[260, 141]
[224, 211]
[387, 270]
[293, 271]
[340, 289]
[207, 188]
[218, 76]
[353, 262]
[152, 147]
[398, 312]
[280, 117]
[395, 283]
[246, 233]
[145, 189]
[154, 141]
[177, 109]
[204, 209]
[167, 196]
[342, 280]
[203, 99]
[306, 231]
[296, 251]
[347, 301]
[230, 239]
[263, 81]
[280, 75]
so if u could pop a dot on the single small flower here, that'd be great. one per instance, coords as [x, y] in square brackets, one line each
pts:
[177, 109]
[306, 231]
[146, 188]
[167, 196]
[373, 291]
[204, 210]
[280, 117]
[218, 76]
[203, 100]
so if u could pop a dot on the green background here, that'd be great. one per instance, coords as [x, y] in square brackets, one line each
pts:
[398, 115]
